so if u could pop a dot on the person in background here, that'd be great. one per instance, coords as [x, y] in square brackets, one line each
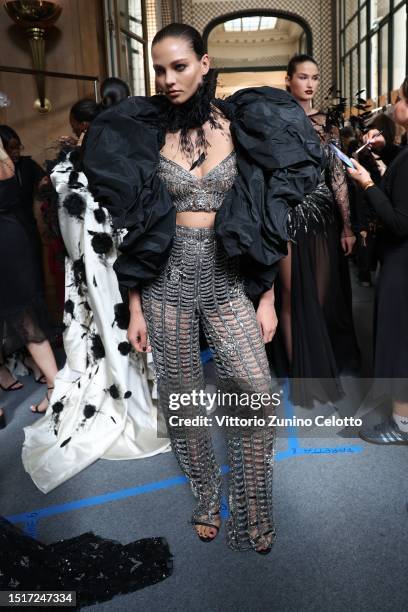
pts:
[380, 152]
[102, 403]
[315, 318]
[390, 203]
[29, 176]
[23, 314]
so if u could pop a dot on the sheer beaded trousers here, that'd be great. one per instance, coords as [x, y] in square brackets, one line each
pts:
[198, 284]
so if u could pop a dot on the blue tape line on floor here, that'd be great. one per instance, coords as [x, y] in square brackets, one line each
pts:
[206, 355]
[100, 499]
[30, 519]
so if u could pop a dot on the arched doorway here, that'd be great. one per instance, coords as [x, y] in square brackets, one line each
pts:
[252, 48]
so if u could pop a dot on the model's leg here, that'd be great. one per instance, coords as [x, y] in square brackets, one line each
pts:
[233, 334]
[170, 308]
[43, 356]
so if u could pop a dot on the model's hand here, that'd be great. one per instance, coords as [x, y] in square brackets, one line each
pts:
[347, 243]
[267, 319]
[137, 333]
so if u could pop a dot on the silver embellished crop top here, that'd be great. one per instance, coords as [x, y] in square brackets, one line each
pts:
[190, 193]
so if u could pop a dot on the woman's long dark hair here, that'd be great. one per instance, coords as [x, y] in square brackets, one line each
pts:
[7, 133]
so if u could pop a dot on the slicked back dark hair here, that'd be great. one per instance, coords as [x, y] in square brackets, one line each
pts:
[182, 30]
[113, 91]
[299, 59]
[85, 110]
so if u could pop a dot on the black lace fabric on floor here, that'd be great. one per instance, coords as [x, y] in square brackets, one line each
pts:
[96, 568]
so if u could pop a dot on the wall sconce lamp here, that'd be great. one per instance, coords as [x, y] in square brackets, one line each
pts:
[35, 17]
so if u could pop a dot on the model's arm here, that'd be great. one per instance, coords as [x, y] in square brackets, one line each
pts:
[394, 214]
[266, 315]
[339, 187]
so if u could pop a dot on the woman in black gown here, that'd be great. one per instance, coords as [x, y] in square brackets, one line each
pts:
[316, 312]
[29, 176]
[390, 203]
[23, 316]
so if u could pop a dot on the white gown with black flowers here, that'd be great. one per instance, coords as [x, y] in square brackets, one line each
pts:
[102, 405]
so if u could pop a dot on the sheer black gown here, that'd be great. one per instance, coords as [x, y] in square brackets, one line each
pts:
[96, 568]
[324, 342]
[23, 314]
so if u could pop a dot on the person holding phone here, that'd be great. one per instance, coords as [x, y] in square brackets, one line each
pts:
[389, 200]
[316, 312]
[376, 153]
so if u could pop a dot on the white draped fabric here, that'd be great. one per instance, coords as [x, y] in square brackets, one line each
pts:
[91, 414]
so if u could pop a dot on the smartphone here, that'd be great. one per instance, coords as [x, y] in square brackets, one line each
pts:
[346, 160]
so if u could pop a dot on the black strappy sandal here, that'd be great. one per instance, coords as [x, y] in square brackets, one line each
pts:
[198, 523]
[268, 547]
[41, 379]
[34, 407]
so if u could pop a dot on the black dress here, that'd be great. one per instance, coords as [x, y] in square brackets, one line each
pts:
[324, 342]
[390, 203]
[29, 174]
[23, 314]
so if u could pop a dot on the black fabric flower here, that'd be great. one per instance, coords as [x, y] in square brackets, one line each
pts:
[122, 315]
[75, 205]
[127, 394]
[100, 215]
[76, 159]
[89, 411]
[98, 350]
[58, 407]
[114, 391]
[78, 267]
[69, 307]
[101, 243]
[73, 181]
[124, 348]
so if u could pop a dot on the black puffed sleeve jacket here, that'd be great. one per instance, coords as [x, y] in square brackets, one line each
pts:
[279, 160]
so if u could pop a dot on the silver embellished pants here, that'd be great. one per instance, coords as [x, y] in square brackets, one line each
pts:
[199, 283]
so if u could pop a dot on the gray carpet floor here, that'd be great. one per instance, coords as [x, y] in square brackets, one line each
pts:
[340, 512]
